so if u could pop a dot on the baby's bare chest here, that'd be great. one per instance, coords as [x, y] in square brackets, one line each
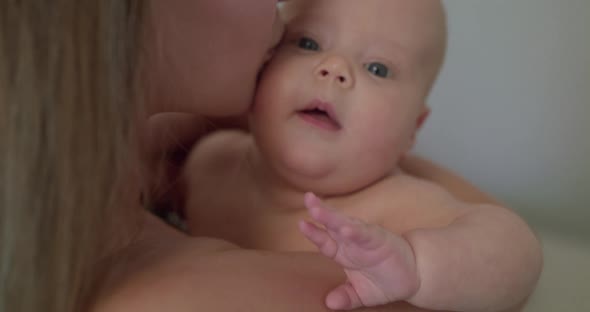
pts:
[252, 223]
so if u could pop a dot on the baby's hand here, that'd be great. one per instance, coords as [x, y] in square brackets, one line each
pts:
[380, 265]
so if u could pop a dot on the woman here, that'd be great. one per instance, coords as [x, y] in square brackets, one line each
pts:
[74, 234]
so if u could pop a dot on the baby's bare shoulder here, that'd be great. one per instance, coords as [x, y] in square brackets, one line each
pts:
[405, 187]
[214, 158]
[214, 162]
[217, 149]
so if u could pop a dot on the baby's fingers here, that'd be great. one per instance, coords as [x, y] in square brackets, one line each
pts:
[357, 233]
[320, 238]
[343, 297]
[332, 220]
[363, 235]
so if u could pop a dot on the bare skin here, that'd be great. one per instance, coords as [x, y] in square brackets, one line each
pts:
[270, 222]
[331, 115]
[163, 269]
[255, 218]
[145, 276]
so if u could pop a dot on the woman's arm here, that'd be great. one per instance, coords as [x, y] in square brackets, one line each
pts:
[454, 184]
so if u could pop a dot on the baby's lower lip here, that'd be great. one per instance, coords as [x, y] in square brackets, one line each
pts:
[320, 121]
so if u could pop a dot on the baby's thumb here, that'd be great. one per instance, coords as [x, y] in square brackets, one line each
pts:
[343, 297]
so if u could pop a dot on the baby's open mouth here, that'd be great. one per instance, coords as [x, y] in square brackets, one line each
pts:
[320, 114]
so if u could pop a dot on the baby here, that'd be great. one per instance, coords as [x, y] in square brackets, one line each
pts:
[337, 107]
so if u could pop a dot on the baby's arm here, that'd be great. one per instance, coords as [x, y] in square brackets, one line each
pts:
[488, 256]
[457, 268]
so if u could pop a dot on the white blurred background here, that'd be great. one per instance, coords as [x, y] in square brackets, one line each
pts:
[511, 112]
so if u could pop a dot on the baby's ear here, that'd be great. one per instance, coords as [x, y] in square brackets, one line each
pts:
[422, 117]
[419, 123]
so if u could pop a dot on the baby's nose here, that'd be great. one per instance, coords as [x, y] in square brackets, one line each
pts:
[336, 69]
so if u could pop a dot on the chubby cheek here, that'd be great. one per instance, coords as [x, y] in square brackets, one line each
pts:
[279, 88]
[381, 140]
[268, 107]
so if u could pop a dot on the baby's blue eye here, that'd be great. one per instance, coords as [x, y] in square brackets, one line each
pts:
[308, 44]
[378, 69]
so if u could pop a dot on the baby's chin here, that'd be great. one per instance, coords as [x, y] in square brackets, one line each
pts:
[319, 176]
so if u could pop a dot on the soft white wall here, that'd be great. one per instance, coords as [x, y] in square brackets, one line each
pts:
[511, 110]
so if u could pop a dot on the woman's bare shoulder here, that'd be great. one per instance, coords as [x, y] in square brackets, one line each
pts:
[169, 271]
[202, 274]
[223, 278]
[156, 271]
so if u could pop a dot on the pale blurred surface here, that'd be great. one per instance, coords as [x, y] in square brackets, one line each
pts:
[564, 283]
[511, 112]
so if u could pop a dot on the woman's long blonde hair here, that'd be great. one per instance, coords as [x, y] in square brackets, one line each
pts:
[67, 75]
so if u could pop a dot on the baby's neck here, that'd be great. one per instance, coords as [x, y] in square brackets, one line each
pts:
[272, 189]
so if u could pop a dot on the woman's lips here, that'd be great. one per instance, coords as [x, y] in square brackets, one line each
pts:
[320, 114]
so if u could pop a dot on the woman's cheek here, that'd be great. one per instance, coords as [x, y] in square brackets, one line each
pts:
[211, 51]
[251, 31]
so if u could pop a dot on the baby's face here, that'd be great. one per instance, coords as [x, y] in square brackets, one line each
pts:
[344, 95]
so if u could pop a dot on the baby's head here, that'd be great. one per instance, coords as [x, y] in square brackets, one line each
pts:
[342, 99]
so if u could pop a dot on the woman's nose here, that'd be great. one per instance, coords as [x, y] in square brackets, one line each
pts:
[337, 70]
